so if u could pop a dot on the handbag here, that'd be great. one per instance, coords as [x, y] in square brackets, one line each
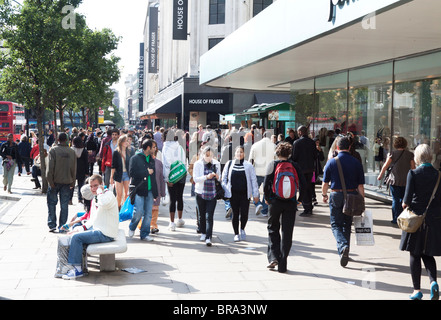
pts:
[389, 170]
[354, 203]
[409, 221]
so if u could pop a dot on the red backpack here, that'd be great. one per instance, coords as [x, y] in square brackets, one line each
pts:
[286, 181]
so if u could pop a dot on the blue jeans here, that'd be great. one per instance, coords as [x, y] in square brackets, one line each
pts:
[79, 239]
[397, 193]
[340, 223]
[143, 209]
[52, 200]
[264, 211]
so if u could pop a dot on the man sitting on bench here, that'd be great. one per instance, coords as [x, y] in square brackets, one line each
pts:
[102, 226]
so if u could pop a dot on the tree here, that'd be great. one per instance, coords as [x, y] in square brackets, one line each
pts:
[46, 63]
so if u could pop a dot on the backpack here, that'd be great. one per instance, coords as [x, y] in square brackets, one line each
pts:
[286, 181]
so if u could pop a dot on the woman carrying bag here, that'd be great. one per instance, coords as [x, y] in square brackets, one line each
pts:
[398, 163]
[425, 243]
[240, 184]
[205, 172]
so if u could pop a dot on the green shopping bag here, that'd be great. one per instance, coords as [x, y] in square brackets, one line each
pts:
[177, 171]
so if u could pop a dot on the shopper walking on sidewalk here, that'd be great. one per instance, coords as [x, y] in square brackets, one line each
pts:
[205, 172]
[304, 153]
[9, 153]
[61, 175]
[143, 177]
[172, 151]
[401, 161]
[240, 183]
[160, 183]
[261, 155]
[425, 243]
[354, 180]
[284, 178]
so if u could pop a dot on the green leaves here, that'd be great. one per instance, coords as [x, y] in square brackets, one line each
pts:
[47, 61]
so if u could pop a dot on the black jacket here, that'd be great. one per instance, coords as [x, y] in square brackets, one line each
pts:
[139, 174]
[304, 152]
[419, 188]
[7, 150]
[118, 165]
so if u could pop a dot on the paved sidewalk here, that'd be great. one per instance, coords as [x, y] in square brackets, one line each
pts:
[180, 267]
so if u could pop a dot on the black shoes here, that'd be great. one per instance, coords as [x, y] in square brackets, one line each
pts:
[306, 213]
[344, 257]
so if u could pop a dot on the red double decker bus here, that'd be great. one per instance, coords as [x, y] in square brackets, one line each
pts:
[12, 120]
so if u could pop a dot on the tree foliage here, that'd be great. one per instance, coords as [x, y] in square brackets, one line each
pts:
[46, 64]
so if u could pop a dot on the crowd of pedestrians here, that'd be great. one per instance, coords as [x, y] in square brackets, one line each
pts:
[277, 173]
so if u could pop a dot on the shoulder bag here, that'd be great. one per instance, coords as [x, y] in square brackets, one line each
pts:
[354, 203]
[409, 221]
[220, 192]
[389, 170]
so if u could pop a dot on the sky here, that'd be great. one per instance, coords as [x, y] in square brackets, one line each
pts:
[125, 18]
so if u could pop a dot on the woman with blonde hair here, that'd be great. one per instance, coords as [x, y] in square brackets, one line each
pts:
[120, 169]
[425, 243]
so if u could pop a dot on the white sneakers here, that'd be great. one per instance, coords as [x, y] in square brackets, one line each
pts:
[179, 223]
[241, 237]
[258, 209]
[207, 241]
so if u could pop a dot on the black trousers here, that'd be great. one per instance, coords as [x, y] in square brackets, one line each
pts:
[415, 269]
[309, 192]
[281, 216]
[240, 204]
[176, 193]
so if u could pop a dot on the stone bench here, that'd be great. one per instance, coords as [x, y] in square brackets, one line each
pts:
[107, 251]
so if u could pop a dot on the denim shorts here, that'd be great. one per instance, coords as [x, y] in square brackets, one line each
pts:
[125, 177]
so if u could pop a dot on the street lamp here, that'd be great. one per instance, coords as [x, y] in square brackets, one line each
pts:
[111, 109]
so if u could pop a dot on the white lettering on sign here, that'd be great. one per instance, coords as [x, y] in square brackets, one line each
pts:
[206, 101]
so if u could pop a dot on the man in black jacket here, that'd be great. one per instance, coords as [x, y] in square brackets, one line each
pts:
[304, 153]
[143, 178]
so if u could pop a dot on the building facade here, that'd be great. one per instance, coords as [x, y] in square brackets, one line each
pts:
[173, 94]
[372, 68]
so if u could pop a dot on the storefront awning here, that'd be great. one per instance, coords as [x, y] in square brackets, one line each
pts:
[173, 105]
[293, 40]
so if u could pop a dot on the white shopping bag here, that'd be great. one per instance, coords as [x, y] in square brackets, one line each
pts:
[364, 232]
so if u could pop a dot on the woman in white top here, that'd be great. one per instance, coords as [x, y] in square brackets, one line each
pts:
[171, 152]
[205, 172]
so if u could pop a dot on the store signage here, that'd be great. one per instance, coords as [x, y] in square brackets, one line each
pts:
[180, 14]
[333, 7]
[219, 102]
[153, 40]
[141, 77]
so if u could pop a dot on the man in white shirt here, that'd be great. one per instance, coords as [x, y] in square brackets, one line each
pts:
[261, 154]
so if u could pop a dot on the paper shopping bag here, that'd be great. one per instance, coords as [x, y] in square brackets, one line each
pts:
[364, 232]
